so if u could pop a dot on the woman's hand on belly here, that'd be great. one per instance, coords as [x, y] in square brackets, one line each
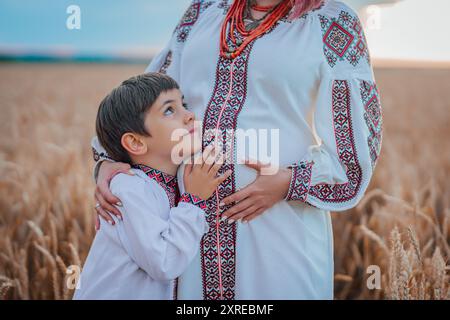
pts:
[258, 196]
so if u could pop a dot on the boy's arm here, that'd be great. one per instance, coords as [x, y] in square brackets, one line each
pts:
[162, 248]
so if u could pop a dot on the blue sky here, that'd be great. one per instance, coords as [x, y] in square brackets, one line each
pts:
[106, 25]
[142, 27]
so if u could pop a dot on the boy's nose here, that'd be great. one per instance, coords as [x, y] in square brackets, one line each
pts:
[189, 117]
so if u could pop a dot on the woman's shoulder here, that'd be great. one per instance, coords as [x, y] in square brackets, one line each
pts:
[332, 12]
[334, 8]
[342, 36]
[196, 10]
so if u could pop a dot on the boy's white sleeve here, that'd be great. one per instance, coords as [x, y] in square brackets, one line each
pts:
[162, 248]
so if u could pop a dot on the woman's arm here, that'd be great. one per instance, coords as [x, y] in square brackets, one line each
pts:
[104, 170]
[348, 120]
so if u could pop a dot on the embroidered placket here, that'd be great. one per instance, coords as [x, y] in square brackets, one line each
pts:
[219, 260]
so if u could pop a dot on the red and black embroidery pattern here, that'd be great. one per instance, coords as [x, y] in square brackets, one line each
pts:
[167, 62]
[168, 182]
[300, 181]
[218, 245]
[373, 117]
[346, 150]
[343, 39]
[190, 198]
[190, 17]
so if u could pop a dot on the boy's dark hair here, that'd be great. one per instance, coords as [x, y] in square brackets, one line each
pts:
[124, 110]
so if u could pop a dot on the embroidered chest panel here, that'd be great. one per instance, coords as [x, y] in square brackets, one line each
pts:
[218, 246]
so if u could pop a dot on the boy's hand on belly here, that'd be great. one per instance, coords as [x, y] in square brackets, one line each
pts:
[258, 196]
[200, 178]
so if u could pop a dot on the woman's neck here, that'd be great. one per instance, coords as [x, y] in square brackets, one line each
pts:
[265, 3]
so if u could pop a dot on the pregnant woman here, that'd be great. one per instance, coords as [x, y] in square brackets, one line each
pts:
[301, 67]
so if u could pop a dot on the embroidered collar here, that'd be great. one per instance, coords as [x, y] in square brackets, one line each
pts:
[167, 181]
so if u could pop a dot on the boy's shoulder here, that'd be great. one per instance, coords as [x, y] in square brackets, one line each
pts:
[138, 183]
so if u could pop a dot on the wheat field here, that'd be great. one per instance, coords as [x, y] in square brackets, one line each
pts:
[402, 225]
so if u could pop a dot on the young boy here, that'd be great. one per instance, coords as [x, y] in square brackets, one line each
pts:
[143, 254]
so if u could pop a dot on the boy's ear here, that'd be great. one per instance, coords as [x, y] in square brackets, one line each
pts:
[134, 144]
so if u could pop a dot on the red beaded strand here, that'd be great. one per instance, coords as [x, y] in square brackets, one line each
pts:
[261, 8]
[235, 19]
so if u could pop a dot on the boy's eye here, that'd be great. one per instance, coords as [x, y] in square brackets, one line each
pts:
[168, 111]
[185, 105]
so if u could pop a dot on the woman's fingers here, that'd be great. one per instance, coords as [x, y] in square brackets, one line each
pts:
[238, 208]
[252, 216]
[103, 189]
[126, 171]
[254, 164]
[237, 196]
[124, 168]
[106, 172]
[106, 205]
[105, 215]
[243, 214]
[97, 222]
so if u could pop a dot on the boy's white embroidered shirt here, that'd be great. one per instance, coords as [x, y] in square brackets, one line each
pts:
[141, 256]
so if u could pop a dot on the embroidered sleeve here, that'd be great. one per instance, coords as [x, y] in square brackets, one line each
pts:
[167, 61]
[348, 120]
[99, 154]
[190, 198]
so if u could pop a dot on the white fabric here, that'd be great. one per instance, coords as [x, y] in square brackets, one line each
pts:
[286, 253]
[139, 257]
[100, 150]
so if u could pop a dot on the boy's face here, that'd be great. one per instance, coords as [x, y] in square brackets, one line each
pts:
[173, 129]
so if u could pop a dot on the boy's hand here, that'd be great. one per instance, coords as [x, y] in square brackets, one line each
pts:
[200, 178]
